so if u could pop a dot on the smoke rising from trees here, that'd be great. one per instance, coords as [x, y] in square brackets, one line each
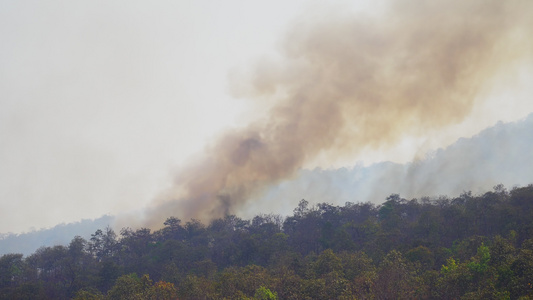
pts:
[501, 154]
[349, 82]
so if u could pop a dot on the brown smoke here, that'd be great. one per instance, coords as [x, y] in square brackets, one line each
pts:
[350, 82]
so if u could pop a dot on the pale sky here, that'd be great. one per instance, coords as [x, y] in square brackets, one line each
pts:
[101, 100]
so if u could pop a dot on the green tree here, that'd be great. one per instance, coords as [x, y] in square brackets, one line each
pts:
[126, 287]
[395, 278]
[103, 244]
[161, 290]
[421, 254]
[89, 294]
[53, 272]
[262, 293]
[194, 287]
[327, 262]
[11, 270]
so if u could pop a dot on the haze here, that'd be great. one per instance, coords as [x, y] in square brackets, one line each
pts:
[103, 103]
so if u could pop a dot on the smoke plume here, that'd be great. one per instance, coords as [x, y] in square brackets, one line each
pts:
[502, 154]
[349, 82]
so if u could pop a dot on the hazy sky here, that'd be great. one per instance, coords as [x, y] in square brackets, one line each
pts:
[101, 100]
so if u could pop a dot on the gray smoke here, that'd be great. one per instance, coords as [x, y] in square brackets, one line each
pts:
[502, 154]
[349, 82]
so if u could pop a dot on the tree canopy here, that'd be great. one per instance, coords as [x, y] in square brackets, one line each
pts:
[467, 247]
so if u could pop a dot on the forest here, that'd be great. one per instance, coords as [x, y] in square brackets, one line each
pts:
[466, 247]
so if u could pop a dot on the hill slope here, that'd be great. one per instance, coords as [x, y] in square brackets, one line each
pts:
[502, 154]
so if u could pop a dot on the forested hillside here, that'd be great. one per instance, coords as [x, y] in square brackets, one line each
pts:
[467, 247]
[27, 243]
[499, 154]
[445, 172]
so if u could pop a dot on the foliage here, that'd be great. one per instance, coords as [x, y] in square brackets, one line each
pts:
[262, 293]
[468, 247]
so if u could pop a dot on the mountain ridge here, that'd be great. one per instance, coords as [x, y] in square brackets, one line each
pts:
[441, 173]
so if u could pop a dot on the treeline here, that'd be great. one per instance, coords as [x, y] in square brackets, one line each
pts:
[468, 247]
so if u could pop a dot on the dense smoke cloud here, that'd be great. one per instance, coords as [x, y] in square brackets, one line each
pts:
[349, 82]
[501, 154]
